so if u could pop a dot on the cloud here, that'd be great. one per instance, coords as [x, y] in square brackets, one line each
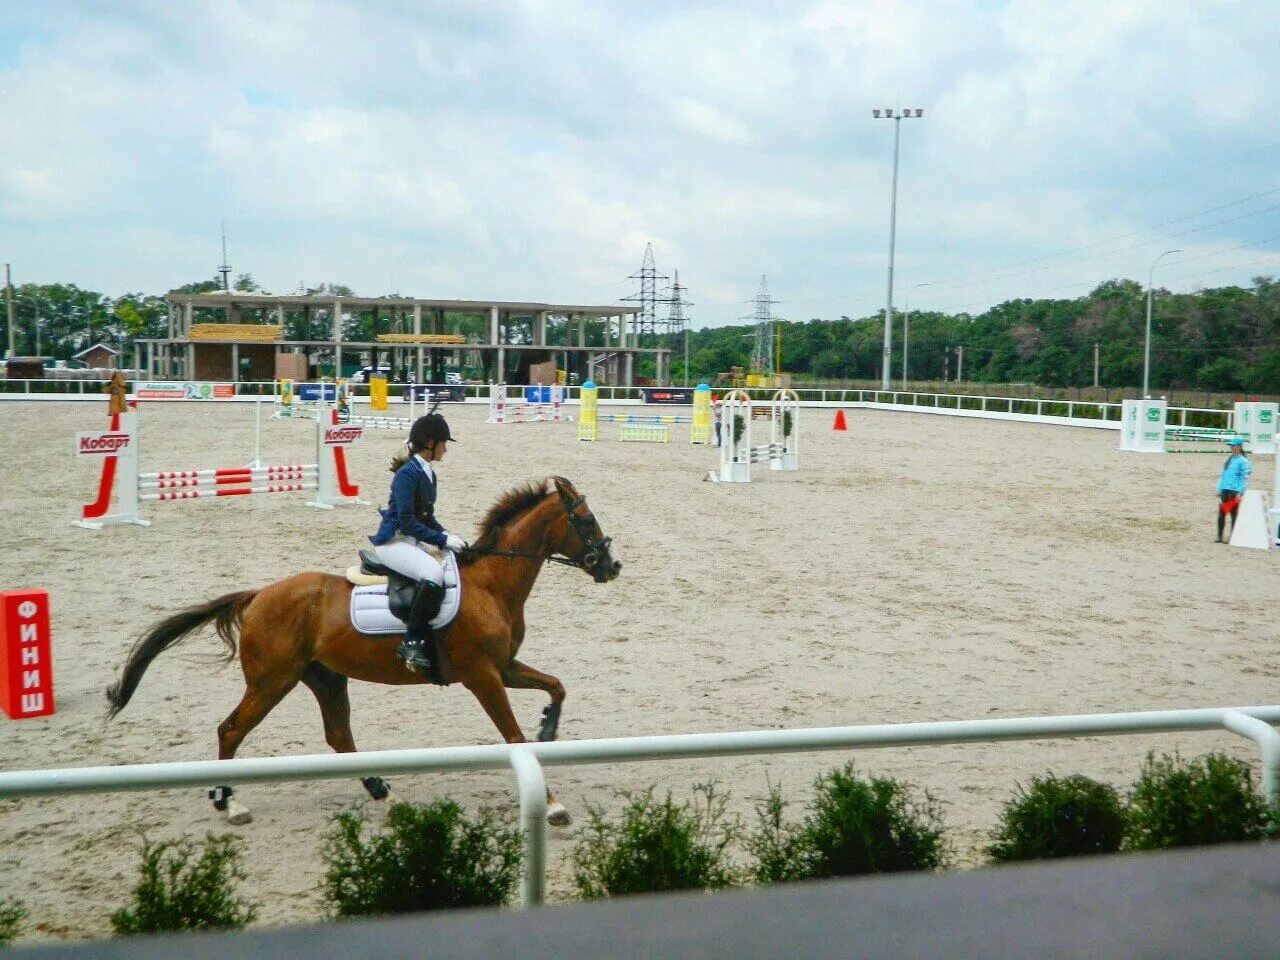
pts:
[530, 149]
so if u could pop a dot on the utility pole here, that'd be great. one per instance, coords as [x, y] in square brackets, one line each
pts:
[960, 364]
[224, 268]
[897, 116]
[1146, 352]
[1095, 363]
[8, 289]
[906, 331]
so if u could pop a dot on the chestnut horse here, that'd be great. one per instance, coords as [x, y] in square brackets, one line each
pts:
[299, 630]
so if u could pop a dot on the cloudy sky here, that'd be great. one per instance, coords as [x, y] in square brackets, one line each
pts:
[529, 150]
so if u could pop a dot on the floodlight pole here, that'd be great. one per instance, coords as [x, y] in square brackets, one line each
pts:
[1146, 353]
[897, 117]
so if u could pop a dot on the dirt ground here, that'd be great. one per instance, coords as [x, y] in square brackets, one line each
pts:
[916, 568]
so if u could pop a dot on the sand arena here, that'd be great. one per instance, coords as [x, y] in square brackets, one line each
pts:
[917, 568]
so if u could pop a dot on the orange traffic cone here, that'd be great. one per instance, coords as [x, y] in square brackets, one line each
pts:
[839, 421]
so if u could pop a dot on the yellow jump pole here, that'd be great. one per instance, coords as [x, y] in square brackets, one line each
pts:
[588, 413]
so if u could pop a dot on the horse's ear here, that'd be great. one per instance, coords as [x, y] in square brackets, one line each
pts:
[564, 488]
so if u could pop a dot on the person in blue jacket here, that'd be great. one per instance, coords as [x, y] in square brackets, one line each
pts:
[409, 527]
[1232, 483]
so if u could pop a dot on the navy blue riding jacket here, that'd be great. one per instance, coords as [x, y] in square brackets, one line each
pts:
[411, 507]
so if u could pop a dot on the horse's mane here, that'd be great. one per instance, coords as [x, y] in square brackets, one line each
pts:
[512, 504]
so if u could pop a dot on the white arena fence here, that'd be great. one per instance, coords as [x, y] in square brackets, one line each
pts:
[527, 760]
[1080, 413]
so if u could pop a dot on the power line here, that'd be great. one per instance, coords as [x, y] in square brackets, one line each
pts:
[1108, 253]
[1123, 236]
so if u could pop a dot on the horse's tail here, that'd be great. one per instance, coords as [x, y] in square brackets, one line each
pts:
[226, 611]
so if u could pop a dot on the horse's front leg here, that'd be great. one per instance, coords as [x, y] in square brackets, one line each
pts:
[521, 676]
[487, 686]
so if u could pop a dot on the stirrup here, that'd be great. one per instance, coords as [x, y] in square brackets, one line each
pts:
[415, 655]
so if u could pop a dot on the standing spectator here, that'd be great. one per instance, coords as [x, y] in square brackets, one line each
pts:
[1232, 483]
[717, 411]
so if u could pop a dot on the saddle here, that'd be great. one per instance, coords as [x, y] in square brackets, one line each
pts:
[401, 590]
[381, 598]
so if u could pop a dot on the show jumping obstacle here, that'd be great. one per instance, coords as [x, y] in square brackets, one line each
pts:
[645, 433]
[1144, 428]
[119, 446]
[504, 410]
[643, 427]
[782, 452]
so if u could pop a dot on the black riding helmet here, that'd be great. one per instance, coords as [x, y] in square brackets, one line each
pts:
[428, 429]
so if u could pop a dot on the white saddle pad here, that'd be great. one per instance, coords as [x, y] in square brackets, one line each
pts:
[370, 615]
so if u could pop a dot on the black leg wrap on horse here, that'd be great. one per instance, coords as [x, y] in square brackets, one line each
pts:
[220, 796]
[377, 787]
[550, 722]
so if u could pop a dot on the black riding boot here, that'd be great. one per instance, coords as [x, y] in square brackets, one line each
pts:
[419, 649]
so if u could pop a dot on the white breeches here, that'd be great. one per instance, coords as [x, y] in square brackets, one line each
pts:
[410, 558]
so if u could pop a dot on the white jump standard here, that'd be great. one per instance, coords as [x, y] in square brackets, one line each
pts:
[782, 452]
[119, 448]
[505, 410]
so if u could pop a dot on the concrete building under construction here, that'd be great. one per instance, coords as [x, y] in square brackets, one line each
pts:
[234, 335]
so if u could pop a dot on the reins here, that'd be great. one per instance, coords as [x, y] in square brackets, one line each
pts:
[517, 555]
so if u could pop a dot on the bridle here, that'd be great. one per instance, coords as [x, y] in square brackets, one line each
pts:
[594, 554]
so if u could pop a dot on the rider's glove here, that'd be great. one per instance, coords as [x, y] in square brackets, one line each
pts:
[456, 544]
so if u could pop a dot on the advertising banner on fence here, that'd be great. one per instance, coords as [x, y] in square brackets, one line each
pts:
[315, 392]
[431, 392]
[26, 660]
[185, 390]
[683, 395]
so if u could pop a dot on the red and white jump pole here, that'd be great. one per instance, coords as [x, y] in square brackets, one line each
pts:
[119, 448]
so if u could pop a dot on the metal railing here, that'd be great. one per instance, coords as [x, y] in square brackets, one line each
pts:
[526, 760]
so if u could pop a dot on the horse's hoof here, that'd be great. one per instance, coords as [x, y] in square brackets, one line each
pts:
[558, 816]
[237, 813]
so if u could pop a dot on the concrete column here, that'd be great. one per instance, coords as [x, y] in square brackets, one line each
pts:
[188, 312]
[493, 326]
[190, 373]
[337, 338]
[629, 379]
[582, 329]
[235, 363]
[540, 329]
[280, 316]
[500, 374]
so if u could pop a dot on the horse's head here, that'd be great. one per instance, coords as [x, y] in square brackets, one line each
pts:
[580, 538]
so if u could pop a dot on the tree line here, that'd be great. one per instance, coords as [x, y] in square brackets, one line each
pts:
[1220, 339]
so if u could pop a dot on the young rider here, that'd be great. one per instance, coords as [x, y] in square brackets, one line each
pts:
[1232, 483]
[409, 526]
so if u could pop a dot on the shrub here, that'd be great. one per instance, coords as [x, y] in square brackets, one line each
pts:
[429, 857]
[1209, 799]
[656, 846]
[179, 890]
[1069, 817]
[739, 428]
[853, 827]
[12, 913]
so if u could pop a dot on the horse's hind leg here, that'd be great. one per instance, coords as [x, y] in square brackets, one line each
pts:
[330, 689]
[261, 695]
